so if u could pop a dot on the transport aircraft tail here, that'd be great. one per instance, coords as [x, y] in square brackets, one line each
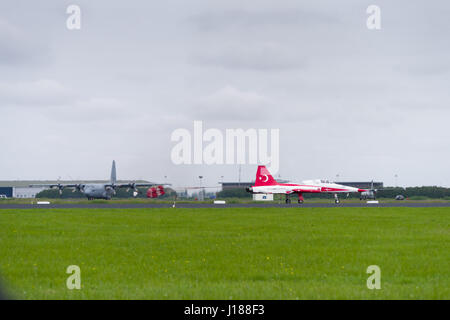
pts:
[113, 173]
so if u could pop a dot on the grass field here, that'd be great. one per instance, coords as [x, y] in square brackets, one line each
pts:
[248, 253]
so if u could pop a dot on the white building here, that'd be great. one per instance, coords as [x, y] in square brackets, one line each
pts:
[262, 197]
[26, 192]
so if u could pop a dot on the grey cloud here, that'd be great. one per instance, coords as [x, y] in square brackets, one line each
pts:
[238, 19]
[34, 93]
[425, 68]
[264, 56]
[230, 103]
[92, 111]
[256, 39]
[18, 47]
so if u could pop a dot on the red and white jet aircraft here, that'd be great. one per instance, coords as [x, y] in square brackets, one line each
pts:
[265, 183]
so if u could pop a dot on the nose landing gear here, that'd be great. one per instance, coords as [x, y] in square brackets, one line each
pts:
[336, 199]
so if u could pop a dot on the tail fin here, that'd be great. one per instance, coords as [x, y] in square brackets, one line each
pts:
[263, 177]
[113, 173]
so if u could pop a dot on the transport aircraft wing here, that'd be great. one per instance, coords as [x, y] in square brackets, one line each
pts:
[59, 186]
[133, 185]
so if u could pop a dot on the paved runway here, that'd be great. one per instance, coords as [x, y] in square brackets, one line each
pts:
[210, 205]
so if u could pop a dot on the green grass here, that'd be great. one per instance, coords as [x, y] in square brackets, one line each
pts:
[248, 253]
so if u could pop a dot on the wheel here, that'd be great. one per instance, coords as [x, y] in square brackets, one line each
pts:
[288, 201]
[336, 201]
[300, 201]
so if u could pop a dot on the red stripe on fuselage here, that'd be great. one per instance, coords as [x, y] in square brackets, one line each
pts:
[322, 189]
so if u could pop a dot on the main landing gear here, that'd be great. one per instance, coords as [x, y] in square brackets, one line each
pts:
[300, 199]
[336, 199]
[288, 199]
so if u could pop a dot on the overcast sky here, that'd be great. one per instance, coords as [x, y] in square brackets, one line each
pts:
[362, 104]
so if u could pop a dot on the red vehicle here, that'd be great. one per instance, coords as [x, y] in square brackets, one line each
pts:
[155, 192]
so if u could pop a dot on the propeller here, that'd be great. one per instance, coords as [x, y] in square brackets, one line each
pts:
[78, 187]
[111, 188]
[60, 188]
[135, 189]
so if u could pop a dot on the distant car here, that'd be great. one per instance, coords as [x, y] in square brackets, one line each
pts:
[399, 197]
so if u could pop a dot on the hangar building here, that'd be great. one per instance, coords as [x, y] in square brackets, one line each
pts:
[6, 192]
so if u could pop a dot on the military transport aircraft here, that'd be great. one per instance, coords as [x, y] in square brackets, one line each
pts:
[99, 190]
[265, 183]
